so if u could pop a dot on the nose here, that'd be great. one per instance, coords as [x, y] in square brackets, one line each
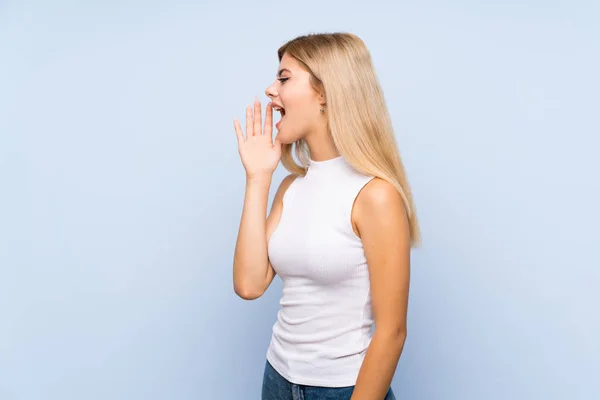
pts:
[271, 92]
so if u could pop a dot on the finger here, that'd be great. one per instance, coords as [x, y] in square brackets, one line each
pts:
[238, 131]
[269, 121]
[277, 147]
[249, 122]
[257, 118]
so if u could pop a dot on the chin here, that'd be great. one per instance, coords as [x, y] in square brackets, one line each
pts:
[285, 139]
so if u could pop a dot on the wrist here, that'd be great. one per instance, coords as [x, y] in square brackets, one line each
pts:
[259, 179]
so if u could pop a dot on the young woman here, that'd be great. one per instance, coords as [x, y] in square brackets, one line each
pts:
[340, 229]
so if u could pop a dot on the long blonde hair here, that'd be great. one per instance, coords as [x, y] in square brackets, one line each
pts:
[340, 66]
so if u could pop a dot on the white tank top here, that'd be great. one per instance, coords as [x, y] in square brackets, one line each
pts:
[325, 321]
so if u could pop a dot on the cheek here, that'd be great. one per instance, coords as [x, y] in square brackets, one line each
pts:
[299, 108]
[296, 100]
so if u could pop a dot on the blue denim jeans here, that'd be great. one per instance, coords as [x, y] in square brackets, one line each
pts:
[276, 387]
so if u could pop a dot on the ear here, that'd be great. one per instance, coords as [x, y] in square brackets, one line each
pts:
[322, 99]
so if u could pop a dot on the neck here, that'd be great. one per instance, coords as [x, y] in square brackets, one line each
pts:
[321, 147]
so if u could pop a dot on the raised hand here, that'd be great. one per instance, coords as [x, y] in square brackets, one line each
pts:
[260, 155]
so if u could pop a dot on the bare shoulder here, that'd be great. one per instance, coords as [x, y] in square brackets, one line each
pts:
[379, 203]
[284, 185]
[378, 194]
[385, 236]
[277, 204]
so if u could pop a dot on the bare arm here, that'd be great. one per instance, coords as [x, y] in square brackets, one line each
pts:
[252, 271]
[384, 231]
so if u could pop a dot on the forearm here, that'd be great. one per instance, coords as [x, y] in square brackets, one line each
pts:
[250, 258]
[378, 367]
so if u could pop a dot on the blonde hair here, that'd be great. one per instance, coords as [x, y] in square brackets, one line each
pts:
[340, 67]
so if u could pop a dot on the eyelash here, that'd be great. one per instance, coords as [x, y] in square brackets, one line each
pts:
[282, 80]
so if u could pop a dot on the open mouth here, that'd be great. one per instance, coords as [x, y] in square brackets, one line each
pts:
[281, 111]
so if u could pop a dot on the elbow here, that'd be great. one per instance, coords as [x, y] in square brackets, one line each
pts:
[400, 334]
[246, 293]
[396, 335]
[246, 286]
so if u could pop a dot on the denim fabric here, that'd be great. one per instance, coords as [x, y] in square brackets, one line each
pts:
[276, 387]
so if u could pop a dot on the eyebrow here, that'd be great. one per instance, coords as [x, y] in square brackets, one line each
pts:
[281, 71]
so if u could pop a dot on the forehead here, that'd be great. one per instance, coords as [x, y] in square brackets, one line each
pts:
[288, 64]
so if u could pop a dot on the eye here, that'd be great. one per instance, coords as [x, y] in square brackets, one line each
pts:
[282, 80]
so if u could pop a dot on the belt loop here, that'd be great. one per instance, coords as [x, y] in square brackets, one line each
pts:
[297, 392]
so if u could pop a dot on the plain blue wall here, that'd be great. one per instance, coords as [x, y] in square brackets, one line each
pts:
[122, 192]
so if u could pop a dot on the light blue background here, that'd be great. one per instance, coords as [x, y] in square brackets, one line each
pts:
[122, 192]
